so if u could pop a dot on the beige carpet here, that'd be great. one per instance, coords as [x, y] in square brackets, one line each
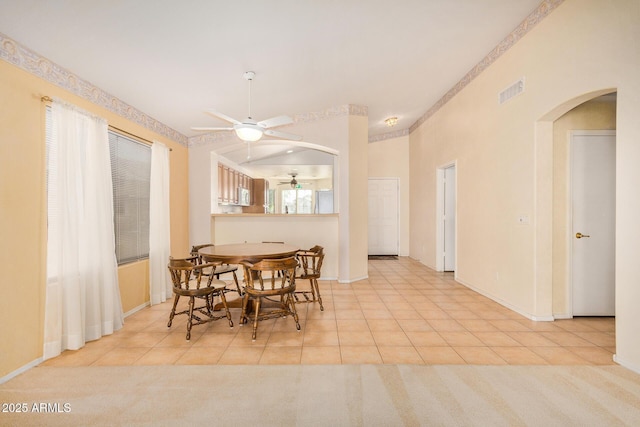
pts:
[344, 395]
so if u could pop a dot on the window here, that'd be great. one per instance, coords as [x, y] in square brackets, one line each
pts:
[130, 171]
[271, 201]
[297, 201]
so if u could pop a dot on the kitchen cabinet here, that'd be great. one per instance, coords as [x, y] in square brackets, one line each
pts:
[235, 175]
[220, 182]
[224, 183]
[259, 190]
[229, 180]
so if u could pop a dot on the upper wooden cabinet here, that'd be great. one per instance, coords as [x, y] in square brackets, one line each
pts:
[221, 185]
[235, 175]
[229, 180]
[224, 183]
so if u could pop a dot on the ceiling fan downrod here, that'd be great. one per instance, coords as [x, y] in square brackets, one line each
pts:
[249, 75]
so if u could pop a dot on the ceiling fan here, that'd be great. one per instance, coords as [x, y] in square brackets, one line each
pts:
[250, 130]
[293, 181]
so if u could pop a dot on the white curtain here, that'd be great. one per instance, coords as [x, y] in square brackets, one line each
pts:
[82, 296]
[160, 286]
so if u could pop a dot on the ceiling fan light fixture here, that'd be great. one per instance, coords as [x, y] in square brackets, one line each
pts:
[248, 133]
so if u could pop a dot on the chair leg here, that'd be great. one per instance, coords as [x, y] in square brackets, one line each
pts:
[255, 320]
[226, 308]
[313, 290]
[235, 280]
[209, 303]
[190, 319]
[315, 284]
[173, 310]
[292, 309]
[243, 314]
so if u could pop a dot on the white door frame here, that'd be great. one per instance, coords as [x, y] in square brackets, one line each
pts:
[573, 133]
[440, 206]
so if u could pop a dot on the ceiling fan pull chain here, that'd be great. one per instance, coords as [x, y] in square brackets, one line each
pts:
[248, 150]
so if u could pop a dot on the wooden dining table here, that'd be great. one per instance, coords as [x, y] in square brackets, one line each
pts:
[236, 253]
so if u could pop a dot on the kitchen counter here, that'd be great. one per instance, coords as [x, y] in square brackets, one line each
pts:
[274, 215]
[302, 230]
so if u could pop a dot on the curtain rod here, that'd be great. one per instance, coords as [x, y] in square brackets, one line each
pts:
[49, 99]
[133, 136]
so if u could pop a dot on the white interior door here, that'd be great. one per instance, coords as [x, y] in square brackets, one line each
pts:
[383, 216]
[449, 218]
[593, 189]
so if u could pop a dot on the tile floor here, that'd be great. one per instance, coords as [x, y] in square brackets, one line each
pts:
[404, 313]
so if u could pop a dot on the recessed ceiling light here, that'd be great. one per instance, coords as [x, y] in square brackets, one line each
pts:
[289, 151]
[391, 121]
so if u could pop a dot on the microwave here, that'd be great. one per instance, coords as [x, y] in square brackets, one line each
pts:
[244, 197]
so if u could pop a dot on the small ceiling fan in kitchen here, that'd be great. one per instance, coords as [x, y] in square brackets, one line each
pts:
[294, 182]
[250, 130]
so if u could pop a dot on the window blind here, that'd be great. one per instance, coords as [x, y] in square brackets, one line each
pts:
[130, 171]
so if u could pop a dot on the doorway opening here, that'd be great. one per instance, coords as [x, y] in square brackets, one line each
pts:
[446, 218]
[583, 138]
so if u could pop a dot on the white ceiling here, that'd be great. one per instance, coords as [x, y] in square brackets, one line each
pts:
[174, 59]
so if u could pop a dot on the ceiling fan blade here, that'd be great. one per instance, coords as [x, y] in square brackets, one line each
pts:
[223, 117]
[282, 135]
[275, 121]
[209, 128]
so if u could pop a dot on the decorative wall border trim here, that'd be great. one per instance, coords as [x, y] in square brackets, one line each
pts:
[26, 59]
[389, 135]
[535, 17]
[212, 138]
[328, 113]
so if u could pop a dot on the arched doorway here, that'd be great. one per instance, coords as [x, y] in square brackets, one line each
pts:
[591, 111]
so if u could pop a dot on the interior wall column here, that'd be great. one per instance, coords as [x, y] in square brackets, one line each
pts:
[543, 286]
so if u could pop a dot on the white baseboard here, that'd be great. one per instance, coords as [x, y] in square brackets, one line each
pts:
[507, 305]
[625, 364]
[354, 280]
[540, 318]
[20, 370]
[136, 309]
[562, 316]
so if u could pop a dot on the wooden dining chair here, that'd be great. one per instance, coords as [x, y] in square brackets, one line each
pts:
[186, 276]
[267, 279]
[309, 268]
[222, 269]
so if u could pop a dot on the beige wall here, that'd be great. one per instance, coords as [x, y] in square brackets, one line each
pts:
[23, 212]
[598, 114]
[390, 159]
[504, 157]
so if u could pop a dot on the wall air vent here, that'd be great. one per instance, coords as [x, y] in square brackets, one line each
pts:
[514, 90]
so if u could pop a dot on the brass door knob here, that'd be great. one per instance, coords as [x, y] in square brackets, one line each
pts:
[580, 235]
